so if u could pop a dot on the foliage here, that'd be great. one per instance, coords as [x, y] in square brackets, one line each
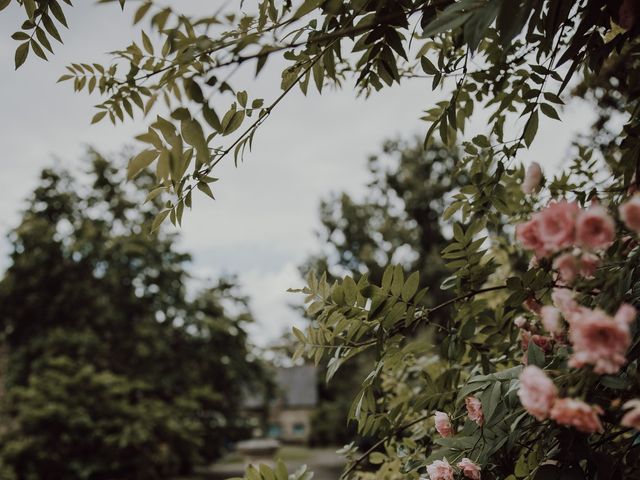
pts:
[398, 218]
[113, 372]
[510, 57]
[499, 61]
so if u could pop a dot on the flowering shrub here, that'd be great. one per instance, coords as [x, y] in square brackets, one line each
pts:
[534, 375]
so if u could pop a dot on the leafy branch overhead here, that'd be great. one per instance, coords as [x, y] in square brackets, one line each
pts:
[511, 59]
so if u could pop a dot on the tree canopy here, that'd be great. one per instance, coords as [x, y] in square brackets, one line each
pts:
[113, 371]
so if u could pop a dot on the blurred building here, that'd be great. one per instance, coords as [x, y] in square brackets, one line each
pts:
[287, 416]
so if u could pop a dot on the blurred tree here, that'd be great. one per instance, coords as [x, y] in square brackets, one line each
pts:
[398, 220]
[113, 371]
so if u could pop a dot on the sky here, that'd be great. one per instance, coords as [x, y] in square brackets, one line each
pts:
[262, 224]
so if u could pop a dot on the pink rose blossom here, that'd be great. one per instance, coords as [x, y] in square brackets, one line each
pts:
[588, 264]
[550, 317]
[567, 267]
[474, 410]
[557, 225]
[632, 417]
[537, 392]
[443, 424]
[595, 228]
[520, 322]
[528, 234]
[532, 178]
[469, 468]
[599, 340]
[563, 300]
[577, 414]
[440, 470]
[630, 213]
[545, 343]
[626, 314]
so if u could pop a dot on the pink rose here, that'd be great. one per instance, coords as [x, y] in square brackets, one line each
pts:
[550, 317]
[577, 414]
[563, 300]
[532, 178]
[626, 314]
[588, 264]
[520, 322]
[630, 213]
[537, 392]
[528, 234]
[595, 228]
[567, 267]
[474, 410]
[440, 470]
[469, 468]
[545, 343]
[557, 225]
[599, 340]
[632, 417]
[443, 424]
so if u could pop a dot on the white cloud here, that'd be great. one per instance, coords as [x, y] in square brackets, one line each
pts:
[271, 303]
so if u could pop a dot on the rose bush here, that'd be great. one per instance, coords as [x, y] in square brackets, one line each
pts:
[535, 374]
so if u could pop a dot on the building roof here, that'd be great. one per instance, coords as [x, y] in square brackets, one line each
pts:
[298, 386]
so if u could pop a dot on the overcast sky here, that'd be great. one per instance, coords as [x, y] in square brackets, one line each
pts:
[261, 227]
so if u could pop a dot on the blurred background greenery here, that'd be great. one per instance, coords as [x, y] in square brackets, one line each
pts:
[112, 367]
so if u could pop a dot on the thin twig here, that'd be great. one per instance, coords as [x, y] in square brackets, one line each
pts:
[380, 442]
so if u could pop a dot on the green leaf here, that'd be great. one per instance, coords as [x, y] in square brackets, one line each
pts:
[157, 221]
[549, 111]
[307, 7]
[140, 162]
[98, 116]
[141, 12]
[42, 38]
[21, 54]
[552, 97]
[232, 120]
[535, 355]
[38, 50]
[30, 7]
[427, 66]
[194, 135]
[206, 189]
[20, 36]
[51, 28]
[531, 128]
[57, 12]
[146, 43]
[449, 19]
[522, 467]
[493, 399]
[411, 286]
